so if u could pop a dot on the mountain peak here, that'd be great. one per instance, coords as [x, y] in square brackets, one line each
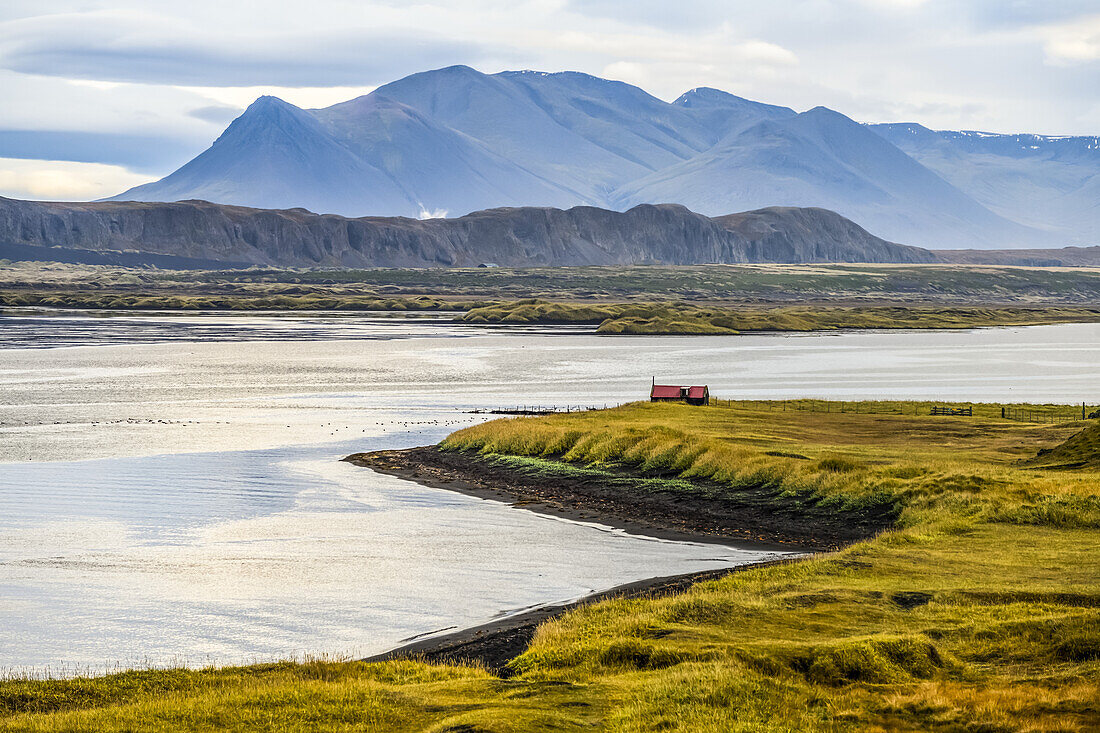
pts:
[708, 97]
[711, 101]
[824, 112]
[269, 111]
[267, 102]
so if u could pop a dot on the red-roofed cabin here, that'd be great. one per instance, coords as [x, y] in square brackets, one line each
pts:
[670, 393]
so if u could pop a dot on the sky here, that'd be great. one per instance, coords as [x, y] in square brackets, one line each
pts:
[101, 95]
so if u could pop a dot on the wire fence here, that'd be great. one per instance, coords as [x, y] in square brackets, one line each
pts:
[1046, 415]
[860, 408]
[1019, 413]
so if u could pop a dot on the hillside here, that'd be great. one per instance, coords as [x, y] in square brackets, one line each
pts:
[1044, 181]
[1081, 450]
[454, 140]
[517, 237]
[1064, 257]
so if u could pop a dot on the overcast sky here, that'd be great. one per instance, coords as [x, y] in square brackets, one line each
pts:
[100, 95]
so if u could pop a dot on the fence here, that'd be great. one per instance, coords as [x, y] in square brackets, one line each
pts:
[860, 408]
[959, 411]
[1041, 415]
[1018, 413]
[539, 409]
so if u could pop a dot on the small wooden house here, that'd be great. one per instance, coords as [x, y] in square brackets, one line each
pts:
[697, 395]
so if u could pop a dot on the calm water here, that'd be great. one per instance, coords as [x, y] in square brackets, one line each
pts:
[170, 493]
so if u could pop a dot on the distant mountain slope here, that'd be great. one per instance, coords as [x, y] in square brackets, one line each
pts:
[822, 158]
[725, 114]
[1047, 182]
[1064, 257]
[278, 156]
[456, 140]
[437, 168]
[513, 236]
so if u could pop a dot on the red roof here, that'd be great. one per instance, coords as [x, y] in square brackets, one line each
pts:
[673, 392]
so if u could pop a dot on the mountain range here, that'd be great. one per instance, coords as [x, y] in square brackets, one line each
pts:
[454, 140]
[202, 234]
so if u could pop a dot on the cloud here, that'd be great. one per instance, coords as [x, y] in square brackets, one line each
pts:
[1076, 42]
[139, 84]
[144, 47]
[1017, 13]
[140, 153]
[64, 180]
[218, 114]
[46, 103]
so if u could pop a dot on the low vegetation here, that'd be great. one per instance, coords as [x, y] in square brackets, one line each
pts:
[282, 301]
[723, 299]
[616, 318]
[687, 319]
[978, 611]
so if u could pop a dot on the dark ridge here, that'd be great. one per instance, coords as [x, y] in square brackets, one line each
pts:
[199, 231]
[36, 253]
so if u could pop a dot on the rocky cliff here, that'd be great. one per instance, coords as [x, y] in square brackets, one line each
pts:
[528, 236]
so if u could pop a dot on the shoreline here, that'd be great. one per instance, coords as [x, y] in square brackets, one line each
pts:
[496, 643]
[757, 523]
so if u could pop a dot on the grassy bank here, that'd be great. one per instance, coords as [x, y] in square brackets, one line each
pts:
[979, 611]
[703, 284]
[688, 319]
[720, 299]
[615, 318]
[277, 301]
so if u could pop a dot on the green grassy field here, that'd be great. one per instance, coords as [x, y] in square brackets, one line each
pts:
[979, 611]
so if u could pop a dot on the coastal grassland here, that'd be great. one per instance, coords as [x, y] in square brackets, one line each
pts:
[772, 282]
[978, 611]
[719, 299]
[274, 301]
[697, 284]
[688, 319]
[930, 467]
[608, 319]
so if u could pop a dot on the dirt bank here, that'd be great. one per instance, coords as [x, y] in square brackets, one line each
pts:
[759, 520]
[756, 517]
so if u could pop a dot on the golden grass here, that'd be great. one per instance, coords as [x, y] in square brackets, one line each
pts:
[980, 612]
[951, 466]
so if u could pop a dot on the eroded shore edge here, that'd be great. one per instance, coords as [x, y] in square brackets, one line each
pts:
[496, 643]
